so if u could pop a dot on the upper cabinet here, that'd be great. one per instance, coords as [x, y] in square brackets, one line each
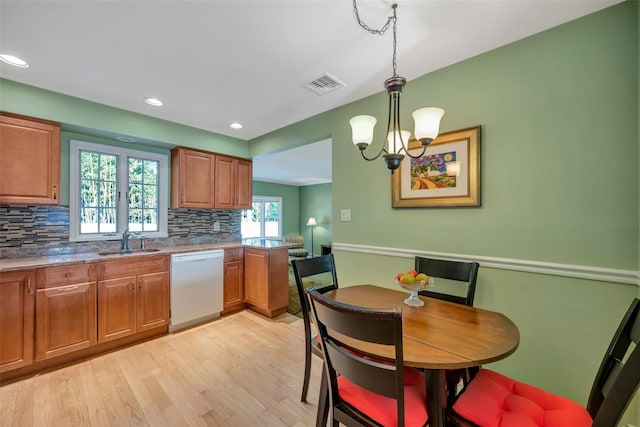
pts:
[29, 161]
[192, 177]
[200, 179]
[233, 183]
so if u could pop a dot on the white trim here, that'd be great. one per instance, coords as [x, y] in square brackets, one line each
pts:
[123, 155]
[629, 277]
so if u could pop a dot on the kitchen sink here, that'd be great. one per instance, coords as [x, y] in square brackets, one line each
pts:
[129, 251]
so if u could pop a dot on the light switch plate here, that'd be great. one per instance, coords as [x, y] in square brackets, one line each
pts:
[345, 215]
[216, 226]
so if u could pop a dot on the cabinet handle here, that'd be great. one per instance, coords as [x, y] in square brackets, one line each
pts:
[67, 275]
[139, 284]
[133, 286]
[55, 192]
[28, 285]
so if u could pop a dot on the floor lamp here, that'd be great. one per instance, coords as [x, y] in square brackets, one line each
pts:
[312, 223]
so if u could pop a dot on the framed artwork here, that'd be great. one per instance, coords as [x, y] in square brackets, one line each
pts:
[448, 174]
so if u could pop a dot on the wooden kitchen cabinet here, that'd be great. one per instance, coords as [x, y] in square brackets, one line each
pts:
[133, 296]
[233, 280]
[192, 178]
[65, 309]
[233, 183]
[29, 160]
[17, 303]
[266, 280]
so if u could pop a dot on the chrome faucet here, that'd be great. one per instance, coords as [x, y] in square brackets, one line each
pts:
[124, 244]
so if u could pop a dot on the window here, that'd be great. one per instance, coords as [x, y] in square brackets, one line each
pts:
[113, 188]
[264, 220]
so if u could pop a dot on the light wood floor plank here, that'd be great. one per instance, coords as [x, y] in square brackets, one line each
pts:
[241, 370]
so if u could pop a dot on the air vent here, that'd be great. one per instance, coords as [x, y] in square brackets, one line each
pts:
[324, 84]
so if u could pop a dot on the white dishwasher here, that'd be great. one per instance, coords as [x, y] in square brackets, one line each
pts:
[196, 287]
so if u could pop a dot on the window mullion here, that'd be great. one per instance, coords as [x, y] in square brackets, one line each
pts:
[123, 188]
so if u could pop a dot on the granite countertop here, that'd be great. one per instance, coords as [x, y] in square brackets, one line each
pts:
[86, 257]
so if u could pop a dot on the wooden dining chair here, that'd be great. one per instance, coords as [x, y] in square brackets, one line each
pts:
[323, 269]
[463, 275]
[460, 287]
[365, 391]
[492, 399]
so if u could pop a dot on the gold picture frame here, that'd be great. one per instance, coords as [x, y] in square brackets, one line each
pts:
[448, 174]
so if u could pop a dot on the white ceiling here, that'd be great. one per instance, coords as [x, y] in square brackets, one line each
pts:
[215, 62]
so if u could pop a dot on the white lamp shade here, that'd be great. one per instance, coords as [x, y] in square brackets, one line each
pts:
[395, 148]
[427, 122]
[312, 222]
[362, 129]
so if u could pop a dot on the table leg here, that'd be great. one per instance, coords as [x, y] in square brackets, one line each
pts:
[323, 401]
[436, 396]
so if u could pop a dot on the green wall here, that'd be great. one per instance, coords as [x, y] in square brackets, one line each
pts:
[315, 201]
[559, 156]
[88, 118]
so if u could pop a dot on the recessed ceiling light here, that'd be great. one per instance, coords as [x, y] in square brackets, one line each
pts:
[14, 60]
[125, 139]
[154, 101]
[235, 125]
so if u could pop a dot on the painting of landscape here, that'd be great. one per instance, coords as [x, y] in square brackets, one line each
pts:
[430, 172]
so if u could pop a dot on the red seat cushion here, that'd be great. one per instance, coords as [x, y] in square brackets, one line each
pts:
[384, 409]
[493, 400]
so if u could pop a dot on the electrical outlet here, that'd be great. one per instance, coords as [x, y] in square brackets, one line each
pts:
[345, 215]
[216, 226]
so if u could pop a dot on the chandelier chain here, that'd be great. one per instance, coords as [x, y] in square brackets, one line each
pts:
[382, 30]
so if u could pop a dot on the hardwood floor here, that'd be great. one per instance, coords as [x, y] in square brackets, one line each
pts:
[241, 370]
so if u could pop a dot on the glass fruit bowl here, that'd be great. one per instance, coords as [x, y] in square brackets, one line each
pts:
[414, 288]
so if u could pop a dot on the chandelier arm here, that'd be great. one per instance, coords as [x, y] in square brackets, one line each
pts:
[424, 149]
[382, 150]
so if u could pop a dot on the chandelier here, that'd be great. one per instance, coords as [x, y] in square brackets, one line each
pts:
[427, 120]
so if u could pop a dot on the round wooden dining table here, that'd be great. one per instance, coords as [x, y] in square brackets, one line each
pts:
[438, 336]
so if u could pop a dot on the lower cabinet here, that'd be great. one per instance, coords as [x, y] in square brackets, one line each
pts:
[65, 309]
[133, 296]
[17, 303]
[266, 280]
[233, 280]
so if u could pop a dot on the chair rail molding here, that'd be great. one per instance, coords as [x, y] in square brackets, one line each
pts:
[629, 277]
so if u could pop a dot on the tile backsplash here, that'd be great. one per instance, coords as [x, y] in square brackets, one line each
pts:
[44, 230]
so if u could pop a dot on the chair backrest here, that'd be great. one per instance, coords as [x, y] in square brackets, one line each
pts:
[466, 272]
[618, 376]
[304, 268]
[336, 320]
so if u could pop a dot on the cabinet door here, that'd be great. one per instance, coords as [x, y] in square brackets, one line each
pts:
[192, 179]
[17, 301]
[225, 182]
[66, 319]
[233, 283]
[29, 161]
[256, 277]
[244, 182]
[153, 301]
[116, 308]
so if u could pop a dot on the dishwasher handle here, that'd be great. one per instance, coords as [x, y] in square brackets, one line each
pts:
[196, 256]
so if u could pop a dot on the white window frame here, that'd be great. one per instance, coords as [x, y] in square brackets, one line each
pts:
[123, 155]
[263, 199]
